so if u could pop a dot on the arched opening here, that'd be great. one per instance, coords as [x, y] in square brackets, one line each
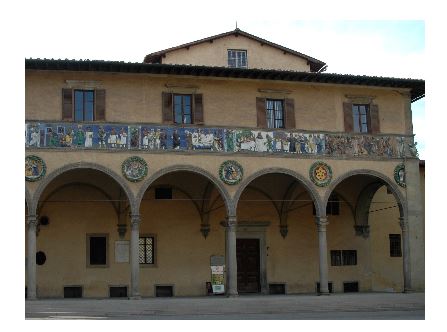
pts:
[365, 239]
[181, 210]
[275, 208]
[83, 230]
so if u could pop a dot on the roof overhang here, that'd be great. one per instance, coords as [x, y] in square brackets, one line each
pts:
[416, 86]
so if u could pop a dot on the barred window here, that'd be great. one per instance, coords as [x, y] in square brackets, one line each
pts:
[146, 250]
[395, 245]
[343, 257]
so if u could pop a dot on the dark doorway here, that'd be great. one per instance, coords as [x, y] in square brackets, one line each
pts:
[248, 266]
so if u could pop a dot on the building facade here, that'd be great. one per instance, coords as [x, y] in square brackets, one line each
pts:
[230, 162]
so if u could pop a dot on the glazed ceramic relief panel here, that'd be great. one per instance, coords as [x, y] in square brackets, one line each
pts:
[115, 137]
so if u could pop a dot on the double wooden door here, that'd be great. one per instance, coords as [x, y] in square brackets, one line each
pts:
[248, 266]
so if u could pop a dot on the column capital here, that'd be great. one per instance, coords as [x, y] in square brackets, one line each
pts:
[321, 222]
[230, 221]
[32, 220]
[135, 220]
[403, 222]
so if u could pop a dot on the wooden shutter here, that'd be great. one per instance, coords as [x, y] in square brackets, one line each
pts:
[261, 112]
[348, 119]
[67, 104]
[374, 119]
[167, 112]
[198, 109]
[100, 105]
[289, 112]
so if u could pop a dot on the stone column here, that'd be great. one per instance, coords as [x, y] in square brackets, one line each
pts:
[230, 255]
[32, 226]
[416, 224]
[406, 254]
[321, 223]
[134, 257]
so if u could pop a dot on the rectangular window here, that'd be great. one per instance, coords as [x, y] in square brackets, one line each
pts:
[146, 250]
[237, 59]
[84, 105]
[360, 115]
[182, 109]
[275, 113]
[343, 257]
[97, 250]
[395, 245]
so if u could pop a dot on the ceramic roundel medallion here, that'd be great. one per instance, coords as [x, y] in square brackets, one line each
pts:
[231, 172]
[35, 168]
[134, 169]
[399, 175]
[320, 173]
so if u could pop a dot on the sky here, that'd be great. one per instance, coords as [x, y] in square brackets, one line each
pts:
[399, 38]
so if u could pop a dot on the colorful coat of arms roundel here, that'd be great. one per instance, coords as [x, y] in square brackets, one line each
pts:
[35, 168]
[399, 175]
[231, 172]
[320, 173]
[134, 169]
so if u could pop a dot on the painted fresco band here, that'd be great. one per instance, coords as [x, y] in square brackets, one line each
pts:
[116, 137]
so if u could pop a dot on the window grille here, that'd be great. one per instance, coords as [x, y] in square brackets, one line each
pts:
[343, 257]
[146, 250]
[395, 245]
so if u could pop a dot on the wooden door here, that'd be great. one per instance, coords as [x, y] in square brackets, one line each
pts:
[248, 266]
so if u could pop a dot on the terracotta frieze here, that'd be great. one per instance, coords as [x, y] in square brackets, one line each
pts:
[119, 137]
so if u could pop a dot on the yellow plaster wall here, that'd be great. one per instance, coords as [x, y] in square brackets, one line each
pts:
[387, 272]
[215, 54]
[134, 98]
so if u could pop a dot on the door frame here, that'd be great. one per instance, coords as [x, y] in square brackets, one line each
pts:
[256, 230]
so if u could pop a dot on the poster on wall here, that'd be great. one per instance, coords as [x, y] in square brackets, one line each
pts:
[217, 274]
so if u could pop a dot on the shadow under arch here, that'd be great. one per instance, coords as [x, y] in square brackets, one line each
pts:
[229, 206]
[278, 170]
[84, 165]
[401, 201]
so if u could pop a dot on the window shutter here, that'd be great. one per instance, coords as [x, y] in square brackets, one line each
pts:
[374, 119]
[67, 104]
[261, 112]
[167, 113]
[289, 105]
[100, 105]
[198, 109]
[349, 122]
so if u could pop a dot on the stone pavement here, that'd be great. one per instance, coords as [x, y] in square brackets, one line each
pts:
[259, 307]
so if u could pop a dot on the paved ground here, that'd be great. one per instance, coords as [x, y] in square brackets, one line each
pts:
[336, 306]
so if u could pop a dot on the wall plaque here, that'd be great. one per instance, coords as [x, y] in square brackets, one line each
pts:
[122, 251]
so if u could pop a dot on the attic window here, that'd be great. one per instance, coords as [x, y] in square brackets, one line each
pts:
[237, 58]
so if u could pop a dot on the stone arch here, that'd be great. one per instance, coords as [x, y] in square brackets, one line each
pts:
[401, 201]
[306, 183]
[187, 168]
[29, 202]
[85, 165]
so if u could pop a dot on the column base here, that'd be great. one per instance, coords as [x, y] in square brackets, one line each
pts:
[232, 294]
[136, 297]
[326, 294]
[408, 290]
